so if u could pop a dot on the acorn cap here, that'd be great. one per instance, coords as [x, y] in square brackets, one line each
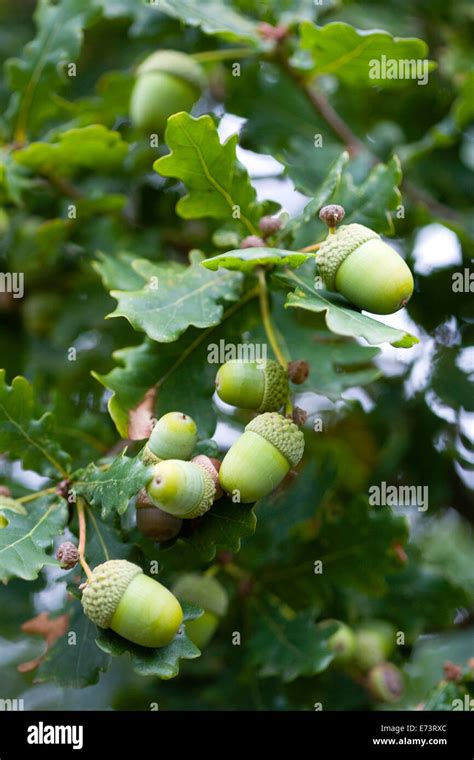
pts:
[282, 433]
[176, 64]
[337, 247]
[276, 386]
[104, 590]
[212, 466]
[184, 489]
[203, 591]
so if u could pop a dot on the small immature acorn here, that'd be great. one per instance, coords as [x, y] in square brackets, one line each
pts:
[183, 489]
[173, 437]
[342, 642]
[211, 596]
[385, 682]
[252, 241]
[157, 525]
[67, 555]
[299, 416]
[298, 371]
[357, 263]
[152, 522]
[375, 642]
[259, 460]
[120, 597]
[269, 225]
[167, 81]
[253, 385]
[332, 215]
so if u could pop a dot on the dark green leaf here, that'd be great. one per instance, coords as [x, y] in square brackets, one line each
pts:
[27, 539]
[111, 489]
[246, 260]
[287, 645]
[25, 437]
[172, 302]
[217, 185]
[221, 528]
[161, 663]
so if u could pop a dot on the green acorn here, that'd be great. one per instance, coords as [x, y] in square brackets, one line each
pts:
[253, 385]
[375, 642]
[167, 82]
[120, 597]
[211, 596]
[385, 682]
[183, 489]
[356, 262]
[152, 522]
[173, 437]
[259, 460]
[342, 642]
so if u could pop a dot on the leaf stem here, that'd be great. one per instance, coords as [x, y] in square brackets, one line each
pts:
[236, 572]
[224, 54]
[266, 318]
[82, 537]
[212, 571]
[35, 495]
[309, 248]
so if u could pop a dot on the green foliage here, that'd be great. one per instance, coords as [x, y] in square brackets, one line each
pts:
[345, 52]
[103, 222]
[161, 663]
[216, 183]
[170, 303]
[111, 488]
[25, 540]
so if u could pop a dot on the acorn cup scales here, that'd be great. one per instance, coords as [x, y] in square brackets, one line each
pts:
[357, 263]
[120, 597]
[183, 489]
[259, 460]
[253, 385]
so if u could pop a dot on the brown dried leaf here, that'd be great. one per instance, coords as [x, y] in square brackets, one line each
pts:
[140, 418]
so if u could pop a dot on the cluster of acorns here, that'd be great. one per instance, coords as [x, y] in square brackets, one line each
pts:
[353, 261]
[182, 487]
[365, 652]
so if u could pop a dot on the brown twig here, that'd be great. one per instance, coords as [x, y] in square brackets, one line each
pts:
[354, 145]
[82, 537]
